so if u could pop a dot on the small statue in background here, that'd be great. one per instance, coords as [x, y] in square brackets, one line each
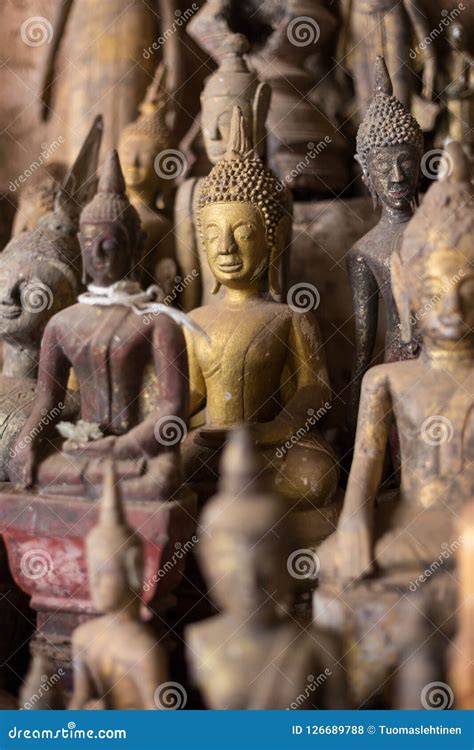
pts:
[141, 147]
[232, 84]
[430, 399]
[389, 150]
[38, 197]
[244, 217]
[457, 119]
[40, 272]
[253, 655]
[388, 28]
[118, 663]
[129, 357]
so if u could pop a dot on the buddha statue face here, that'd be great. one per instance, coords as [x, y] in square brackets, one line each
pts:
[247, 576]
[116, 581]
[393, 175]
[31, 292]
[441, 293]
[216, 114]
[137, 156]
[106, 252]
[235, 242]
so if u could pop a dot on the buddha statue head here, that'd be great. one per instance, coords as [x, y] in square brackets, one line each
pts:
[433, 275]
[389, 147]
[244, 543]
[115, 558]
[233, 83]
[144, 138]
[244, 216]
[110, 233]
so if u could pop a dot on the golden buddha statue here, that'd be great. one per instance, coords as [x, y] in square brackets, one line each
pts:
[118, 663]
[430, 399]
[232, 84]
[254, 655]
[38, 197]
[244, 217]
[140, 146]
[461, 667]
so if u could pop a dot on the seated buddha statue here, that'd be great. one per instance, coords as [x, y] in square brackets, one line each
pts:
[40, 274]
[389, 150]
[143, 146]
[430, 399]
[232, 84]
[262, 362]
[118, 662]
[131, 368]
[253, 655]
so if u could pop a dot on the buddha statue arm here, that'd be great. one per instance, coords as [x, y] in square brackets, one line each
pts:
[306, 367]
[151, 671]
[365, 302]
[197, 385]
[171, 365]
[348, 554]
[53, 375]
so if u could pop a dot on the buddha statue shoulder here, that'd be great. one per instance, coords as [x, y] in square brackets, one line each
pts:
[129, 357]
[253, 655]
[40, 274]
[262, 361]
[430, 399]
[389, 150]
[118, 662]
[233, 83]
[143, 148]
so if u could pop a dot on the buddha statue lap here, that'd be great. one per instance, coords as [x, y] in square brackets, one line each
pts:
[389, 150]
[261, 362]
[39, 276]
[380, 551]
[118, 662]
[131, 369]
[140, 146]
[253, 655]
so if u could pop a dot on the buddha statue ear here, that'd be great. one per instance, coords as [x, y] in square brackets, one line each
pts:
[400, 294]
[278, 255]
[260, 107]
[367, 181]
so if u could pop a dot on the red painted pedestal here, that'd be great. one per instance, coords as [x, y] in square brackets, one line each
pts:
[44, 538]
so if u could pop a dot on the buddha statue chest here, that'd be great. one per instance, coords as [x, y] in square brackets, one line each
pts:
[436, 427]
[111, 352]
[243, 360]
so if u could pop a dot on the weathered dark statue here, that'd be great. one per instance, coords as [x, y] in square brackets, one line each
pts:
[40, 273]
[389, 150]
[118, 663]
[129, 357]
[253, 655]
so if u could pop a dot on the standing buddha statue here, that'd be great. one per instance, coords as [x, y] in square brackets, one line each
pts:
[244, 217]
[232, 84]
[389, 150]
[140, 146]
[118, 662]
